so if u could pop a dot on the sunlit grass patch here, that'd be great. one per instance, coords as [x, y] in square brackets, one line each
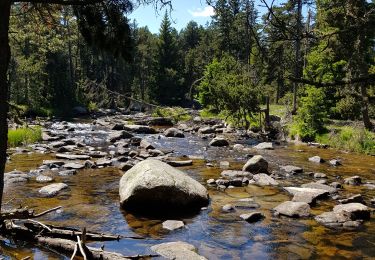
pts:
[24, 136]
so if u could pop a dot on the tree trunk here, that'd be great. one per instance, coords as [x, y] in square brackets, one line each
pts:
[297, 71]
[4, 63]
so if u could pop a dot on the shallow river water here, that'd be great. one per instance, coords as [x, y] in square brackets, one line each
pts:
[92, 201]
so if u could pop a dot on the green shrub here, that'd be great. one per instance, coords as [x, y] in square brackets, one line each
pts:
[176, 113]
[347, 108]
[350, 139]
[311, 115]
[92, 107]
[24, 136]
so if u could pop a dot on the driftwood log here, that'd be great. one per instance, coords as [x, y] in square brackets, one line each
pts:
[19, 225]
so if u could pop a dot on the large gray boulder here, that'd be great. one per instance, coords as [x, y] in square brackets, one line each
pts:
[154, 187]
[256, 164]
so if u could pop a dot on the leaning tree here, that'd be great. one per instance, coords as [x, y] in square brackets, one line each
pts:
[102, 23]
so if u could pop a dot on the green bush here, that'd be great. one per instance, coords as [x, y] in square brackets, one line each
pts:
[24, 136]
[350, 139]
[176, 113]
[348, 108]
[311, 115]
[92, 107]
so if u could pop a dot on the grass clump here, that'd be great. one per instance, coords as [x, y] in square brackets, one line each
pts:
[349, 138]
[177, 114]
[24, 136]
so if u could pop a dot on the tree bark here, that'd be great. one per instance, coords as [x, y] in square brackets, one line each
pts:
[4, 63]
[298, 68]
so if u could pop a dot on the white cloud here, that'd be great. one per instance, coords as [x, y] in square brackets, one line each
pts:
[205, 12]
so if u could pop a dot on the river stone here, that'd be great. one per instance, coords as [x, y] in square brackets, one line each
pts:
[256, 164]
[316, 159]
[75, 166]
[335, 162]
[68, 172]
[154, 185]
[291, 169]
[15, 177]
[354, 180]
[315, 185]
[293, 209]
[264, 146]
[174, 132]
[140, 129]
[228, 208]
[246, 203]
[118, 135]
[263, 179]
[180, 163]
[318, 175]
[355, 198]
[53, 162]
[336, 185]
[252, 217]
[219, 141]
[72, 156]
[43, 179]
[173, 224]
[177, 251]
[332, 219]
[103, 162]
[146, 144]
[57, 144]
[308, 195]
[354, 210]
[206, 130]
[235, 174]
[53, 189]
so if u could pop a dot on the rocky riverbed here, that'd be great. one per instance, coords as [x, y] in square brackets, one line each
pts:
[266, 199]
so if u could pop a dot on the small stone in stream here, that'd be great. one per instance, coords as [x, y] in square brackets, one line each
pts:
[97, 154]
[125, 166]
[372, 201]
[252, 217]
[44, 179]
[15, 177]
[293, 209]
[369, 186]
[155, 152]
[174, 132]
[53, 189]
[173, 224]
[67, 172]
[122, 151]
[263, 179]
[316, 159]
[63, 149]
[177, 251]
[246, 203]
[197, 119]
[222, 182]
[118, 127]
[72, 156]
[140, 129]
[180, 163]
[322, 181]
[89, 164]
[264, 146]
[219, 142]
[291, 169]
[228, 208]
[206, 130]
[315, 185]
[211, 182]
[224, 164]
[221, 187]
[146, 145]
[57, 144]
[75, 166]
[335, 162]
[235, 174]
[353, 210]
[320, 175]
[308, 195]
[238, 147]
[256, 164]
[355, 198]
[118, 135]
[133, 154]
[355, 180]
[122, 159]
[352, 224]
[209, 165]
[336, 185]
[236, 182]
[135, 141]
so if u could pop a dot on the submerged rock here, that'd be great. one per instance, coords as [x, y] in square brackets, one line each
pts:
[316, 185]
[256, 164]
[291, 169]
[15, 177]
[235, 174]
[354, 180]
[293, 209]
[307, 195]
[335, 162]
[152, 186]
[72, 156]
[75, 166]
[177, 251]
[43, 179]
[263, 179]
[53, 189]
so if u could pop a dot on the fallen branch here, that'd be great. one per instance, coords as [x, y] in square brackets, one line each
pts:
[24, 213]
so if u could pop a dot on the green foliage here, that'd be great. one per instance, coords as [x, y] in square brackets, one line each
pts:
[227, 87]
[176, 113]
[24, 136]
[354, 139]
[92, 107]
[311, 115]
[347, 108]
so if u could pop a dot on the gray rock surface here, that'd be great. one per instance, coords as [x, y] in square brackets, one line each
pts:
[177, 251]
[256, 164]
[293, 209]
[53, 189]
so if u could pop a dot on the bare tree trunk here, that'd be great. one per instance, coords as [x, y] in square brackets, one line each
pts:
[4, 63]
[297, 71]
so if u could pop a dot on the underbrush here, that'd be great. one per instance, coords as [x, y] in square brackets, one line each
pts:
[24, 136]
[353, 139]
[177, 114]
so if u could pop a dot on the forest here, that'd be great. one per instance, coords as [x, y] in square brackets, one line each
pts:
[86, 89]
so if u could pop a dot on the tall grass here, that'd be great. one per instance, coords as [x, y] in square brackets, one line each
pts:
[353, 139]
[24, 136]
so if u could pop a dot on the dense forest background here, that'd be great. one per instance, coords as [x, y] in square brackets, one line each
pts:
[307, 55]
